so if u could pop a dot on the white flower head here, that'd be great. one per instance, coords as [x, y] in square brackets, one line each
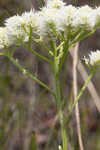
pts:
[94, 58]
[94, 18]
[55, 4]
[15, 29]
[82, 17]
[66, 16]
[4, 42]
[30, 19]
[47, 21]
[60, 19]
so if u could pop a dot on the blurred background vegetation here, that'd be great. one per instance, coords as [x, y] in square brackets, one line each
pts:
[28, 114]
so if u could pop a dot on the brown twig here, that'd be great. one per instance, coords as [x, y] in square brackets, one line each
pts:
[75, 88]
[90, 86]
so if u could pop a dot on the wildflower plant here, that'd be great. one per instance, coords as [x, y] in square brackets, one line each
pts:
[57, 28]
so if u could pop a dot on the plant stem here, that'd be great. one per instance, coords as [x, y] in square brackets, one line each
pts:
[80, 94]
[40, 56]
[24, 71]
[75, 90]
[33, 51]
[80, 36]
[60, 113]
[66, 48]
[59, 101]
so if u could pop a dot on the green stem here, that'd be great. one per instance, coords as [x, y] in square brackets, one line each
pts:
[60, 113]
[24, 71]
[80, 94]
[81, 36]
[41, 43]
[40, 56]
[59, 100]
[65, 48]
[45, 47]
[33, 51]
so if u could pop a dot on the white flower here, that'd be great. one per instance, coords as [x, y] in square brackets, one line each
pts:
[94, 18]
[94, 58]
[55, 4]
[30, 19]
[15, 29]
[82, 16]
[47, 21]
[66, 15]
[4, 42]
[59, 19]
[54, 19]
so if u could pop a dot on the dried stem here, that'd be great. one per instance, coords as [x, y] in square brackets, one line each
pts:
[77, 114]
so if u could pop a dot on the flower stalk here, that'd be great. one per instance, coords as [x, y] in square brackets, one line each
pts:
[79, 95]
[29, 75]
[59, 100]
[60, 113]
[40, 56]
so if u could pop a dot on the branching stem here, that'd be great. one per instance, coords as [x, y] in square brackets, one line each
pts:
[25, 72]
[79, 95]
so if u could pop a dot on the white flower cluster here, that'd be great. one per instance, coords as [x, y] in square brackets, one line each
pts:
[4, 42]
[82, 17]
[94, 58]
[55, 4]
[53, 19]
[18, 27]
[15, 29]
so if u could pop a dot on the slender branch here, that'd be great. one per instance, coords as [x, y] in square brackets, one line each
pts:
[79, 95]
[45, 47]
[41, 43]
[65, 48]
[91, 87]
[80, 37]
[33, 51]
[25, 72]
[40, 56]
[75, 91]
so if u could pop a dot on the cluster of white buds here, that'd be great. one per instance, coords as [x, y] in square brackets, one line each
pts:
[4, 41]
[94, 59]
[54, 19]
[15, 29]
[18, 27]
